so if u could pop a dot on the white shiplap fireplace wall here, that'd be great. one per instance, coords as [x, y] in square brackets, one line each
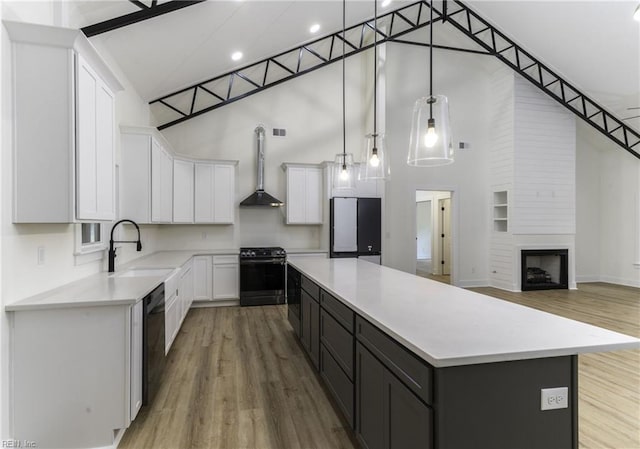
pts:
[533, 159]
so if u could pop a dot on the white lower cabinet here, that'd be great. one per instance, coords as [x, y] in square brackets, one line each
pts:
[171, 321]
[185, 290]
[226, 277]
[203, 278]
[136, 359]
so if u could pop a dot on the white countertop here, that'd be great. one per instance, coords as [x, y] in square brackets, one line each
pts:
[450, 326]
[104, 289]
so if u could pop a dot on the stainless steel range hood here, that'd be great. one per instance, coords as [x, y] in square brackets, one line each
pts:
[260, 197]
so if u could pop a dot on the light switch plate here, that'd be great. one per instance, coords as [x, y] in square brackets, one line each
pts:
[554, 398]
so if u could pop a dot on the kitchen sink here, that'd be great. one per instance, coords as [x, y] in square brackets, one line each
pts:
[143, 272]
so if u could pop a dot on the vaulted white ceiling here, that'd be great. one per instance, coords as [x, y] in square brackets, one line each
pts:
[593, 44]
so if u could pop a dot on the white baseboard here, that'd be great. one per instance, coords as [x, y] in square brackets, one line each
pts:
[216, 303]
[620, 281]
[473, 283]
[504, 286]
[587, 278]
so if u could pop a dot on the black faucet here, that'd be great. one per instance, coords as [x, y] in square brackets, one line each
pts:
[112, 250]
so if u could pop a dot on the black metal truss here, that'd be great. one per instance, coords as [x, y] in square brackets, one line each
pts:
[237, 84]
[526, 65]
[145, 12]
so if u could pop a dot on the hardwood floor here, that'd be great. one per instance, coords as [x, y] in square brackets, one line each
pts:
[237, 378]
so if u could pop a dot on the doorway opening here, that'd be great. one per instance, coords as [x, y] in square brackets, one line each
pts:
[433, 235]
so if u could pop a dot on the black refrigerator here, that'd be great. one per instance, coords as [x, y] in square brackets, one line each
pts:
[355, 230]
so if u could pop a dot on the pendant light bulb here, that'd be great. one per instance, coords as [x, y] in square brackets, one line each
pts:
[431, 137]
[375, 160]
[344, 174]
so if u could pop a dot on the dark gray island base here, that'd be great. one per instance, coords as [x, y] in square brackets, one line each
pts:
[393, 399]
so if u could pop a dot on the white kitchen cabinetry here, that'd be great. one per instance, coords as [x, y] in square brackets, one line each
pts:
[203, 278]
[226, 277]
[63, 97]
[304, 193]
[146, 176]
[185, 290]
[215, 192]
[136, 359]
[182, 191]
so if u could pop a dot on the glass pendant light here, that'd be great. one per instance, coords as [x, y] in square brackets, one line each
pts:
[374, 164]
[636, 14]
[430, 142]
[343, 170]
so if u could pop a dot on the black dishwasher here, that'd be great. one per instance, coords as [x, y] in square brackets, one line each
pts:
[153, 343]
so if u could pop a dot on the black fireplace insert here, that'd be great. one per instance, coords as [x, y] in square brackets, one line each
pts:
[544, 269]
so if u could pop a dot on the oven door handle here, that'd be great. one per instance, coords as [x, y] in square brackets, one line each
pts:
[263, 261]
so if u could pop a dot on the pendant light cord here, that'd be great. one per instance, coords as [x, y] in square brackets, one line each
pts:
[375, 71]
[344, 114]
[431, 60]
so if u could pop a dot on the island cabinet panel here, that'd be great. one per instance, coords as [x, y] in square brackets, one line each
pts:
[499, 404]
[309, 331]
[338, 383]
[338, 341]
[415, 373]
[339, 311]
[311, 288]
[388, 414]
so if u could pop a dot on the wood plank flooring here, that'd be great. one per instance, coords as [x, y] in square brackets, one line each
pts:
[237, 378]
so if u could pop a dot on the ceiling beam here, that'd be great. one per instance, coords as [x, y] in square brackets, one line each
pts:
[145, 13]
[221, 90]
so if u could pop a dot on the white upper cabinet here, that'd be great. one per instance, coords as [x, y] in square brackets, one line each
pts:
[146, 176]
[182, 191]
[215, 192]
[304, 193]
[64, 127]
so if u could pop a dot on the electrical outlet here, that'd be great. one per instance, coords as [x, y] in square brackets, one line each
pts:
[554, 398]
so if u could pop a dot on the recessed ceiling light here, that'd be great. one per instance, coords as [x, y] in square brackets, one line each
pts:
[314, 28]
[236, 55]
[386, 3]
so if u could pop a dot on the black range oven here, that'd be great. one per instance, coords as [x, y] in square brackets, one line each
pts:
[262, 276]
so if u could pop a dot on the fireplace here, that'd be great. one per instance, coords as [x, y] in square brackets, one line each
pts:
[544, 269]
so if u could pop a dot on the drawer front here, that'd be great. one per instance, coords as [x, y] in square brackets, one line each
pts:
[338, 341]
[413, 372]
[338, 383]
[225, 259]
[343, 314]
[310, 287]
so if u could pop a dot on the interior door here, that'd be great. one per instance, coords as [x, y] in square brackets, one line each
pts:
[423, 230]
[444, 207]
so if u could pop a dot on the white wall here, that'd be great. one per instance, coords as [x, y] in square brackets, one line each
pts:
[464, 78]
[608, 200]
[21, 276]
[310, 109]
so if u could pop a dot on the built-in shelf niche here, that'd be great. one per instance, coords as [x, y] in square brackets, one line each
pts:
[500, 211]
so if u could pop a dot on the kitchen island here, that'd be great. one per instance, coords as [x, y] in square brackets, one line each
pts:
[416, 363]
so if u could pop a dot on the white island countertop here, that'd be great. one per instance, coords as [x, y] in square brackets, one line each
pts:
[450, 326]
[108, 289]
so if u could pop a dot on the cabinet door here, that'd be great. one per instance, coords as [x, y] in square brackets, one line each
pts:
[203, 208]
[182, 191]
[408, 421]
[224, 193]
[94, 147]
[311, 327]
[296, 195]
[185, 290]
[136, 359]
[305, 326]
[313, 196]
[170, 322]
[369, 399]
[167, 187]
[226, 281]
[105, 125]
[202, 278]
[156, 181]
